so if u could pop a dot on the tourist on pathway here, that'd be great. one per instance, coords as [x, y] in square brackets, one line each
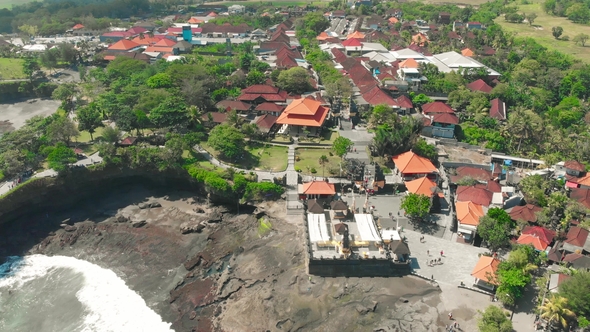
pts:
[441, 253]
[450, 315]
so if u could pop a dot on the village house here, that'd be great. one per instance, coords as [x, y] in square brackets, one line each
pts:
[409, 166]
[485, 271]
[301, 115]
[468, 214]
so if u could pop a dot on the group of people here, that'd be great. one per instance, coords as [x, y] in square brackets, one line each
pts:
[452, 327]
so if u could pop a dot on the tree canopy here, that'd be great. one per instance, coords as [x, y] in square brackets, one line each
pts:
[294, 80]
[228, 141]
[416, 206]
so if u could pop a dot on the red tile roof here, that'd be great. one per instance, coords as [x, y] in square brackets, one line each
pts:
[339, 56]
[137, 30]
[304, 112]
[411, 163]
[574, 165]
[498, 109]
[237, 105]
[445, 118]
[146, 40]
[540, 232]
[352, 42]
[468, 213]
[216, 117]
[404, 102]
[78, 26]
[476, 195]
[473, 172]
[485, 269]
[123, 45]
[479, 85]
[421, 186]
[269, 107]
[165, 42]
[266, 122]
[581, 195]
[533, 240]
[376, 96]
[319, 188]
[260, 88]
[577, 236]
[578, 260]
[526, 213]
[437, 107]
[128, 141]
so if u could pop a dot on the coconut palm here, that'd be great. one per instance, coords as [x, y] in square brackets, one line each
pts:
[555, 310]
[323, 161]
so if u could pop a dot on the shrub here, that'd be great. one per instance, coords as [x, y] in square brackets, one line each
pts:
[262, 191]
[313, 170]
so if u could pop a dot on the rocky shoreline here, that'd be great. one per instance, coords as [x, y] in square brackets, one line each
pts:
[205, 268]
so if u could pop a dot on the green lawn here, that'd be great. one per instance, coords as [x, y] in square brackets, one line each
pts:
[277, 3]
[8, 3]
[308, 158]
[541, 30]
[456, 2]
[11, 69]
[85, 135]
[328, 137]
[260, 157]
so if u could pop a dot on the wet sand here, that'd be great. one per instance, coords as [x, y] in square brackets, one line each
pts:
[232, 276]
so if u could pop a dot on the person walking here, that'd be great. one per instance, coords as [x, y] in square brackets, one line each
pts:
[441, 253]
[450, 315]
[428, 252]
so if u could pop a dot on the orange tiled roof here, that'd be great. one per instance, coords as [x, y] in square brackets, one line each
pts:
[146, 40]
[411, 163]
[409, 63]
[468, 213]
[322, 36]
[165, 42]
[467, 52]
[485, 269]
[356, 34]
[194, 20]
[124, 45]
[319, 188]
[393, 20]
[422, 186]
[535, 241]
[304, 112]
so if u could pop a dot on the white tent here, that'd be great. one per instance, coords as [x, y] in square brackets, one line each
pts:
[367, 229]
[318, 229]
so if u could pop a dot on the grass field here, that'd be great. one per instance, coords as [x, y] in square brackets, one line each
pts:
[308, 158]
[11, 69]
[260, 157]
[85, 135]
[8, 3]
[541, 31]
[276, 3]
[456, 2]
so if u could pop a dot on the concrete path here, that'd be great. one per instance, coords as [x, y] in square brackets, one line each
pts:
[458, 259]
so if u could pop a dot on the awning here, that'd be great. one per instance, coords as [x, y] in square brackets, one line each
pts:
[465, 229]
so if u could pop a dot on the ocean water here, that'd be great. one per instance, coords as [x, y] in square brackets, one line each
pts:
[59, 293]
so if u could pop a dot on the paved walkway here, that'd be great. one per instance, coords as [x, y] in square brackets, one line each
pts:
[90, 160]
[458, 259]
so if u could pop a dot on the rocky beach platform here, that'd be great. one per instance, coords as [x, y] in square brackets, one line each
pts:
[208, 268]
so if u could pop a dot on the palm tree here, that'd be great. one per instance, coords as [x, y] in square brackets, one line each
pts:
[195, 115]
[323, 161]
[555, 310]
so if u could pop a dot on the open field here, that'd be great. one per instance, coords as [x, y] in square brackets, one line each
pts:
[9, 3]
[11, 69]
[456, 2]
[278, 3]
[259, 157]
[541, 31]
[307, 159]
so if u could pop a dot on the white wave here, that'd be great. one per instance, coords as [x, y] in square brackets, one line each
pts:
[110, 304]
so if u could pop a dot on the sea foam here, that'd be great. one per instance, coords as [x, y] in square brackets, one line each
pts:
[109, 304]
